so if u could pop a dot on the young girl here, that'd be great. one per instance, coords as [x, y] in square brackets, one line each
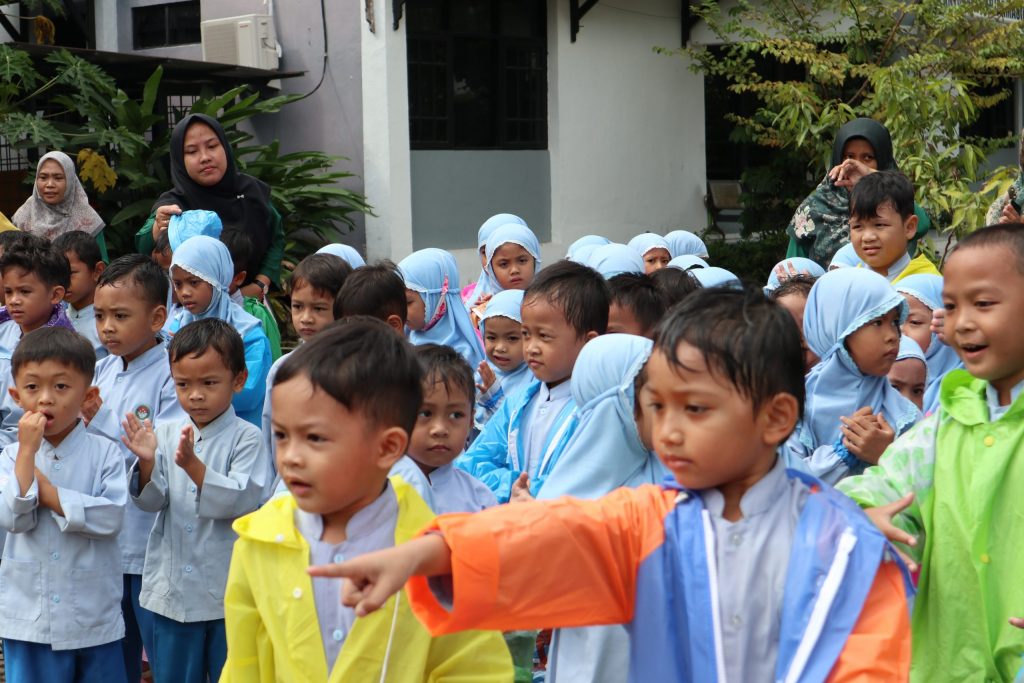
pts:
[851, 413]
[653, 249]
[201, 272]
[612, 259]
[505, 371]
[923, 293]
[513, 257]
[435, 311]
[581, 249]
[684, 242]
[846, 257]
[483, 286]
[346, 253]
[909, 374]
[58, 203]
[790, 268]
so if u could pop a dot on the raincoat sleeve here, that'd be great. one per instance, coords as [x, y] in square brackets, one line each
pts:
[250, 652]
[512, 567]
[271, 266]
[908, 465]
[257, 362]
[144, 237]
[487, 458]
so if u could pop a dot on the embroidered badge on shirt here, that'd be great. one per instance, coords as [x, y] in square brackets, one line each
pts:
[143, 412]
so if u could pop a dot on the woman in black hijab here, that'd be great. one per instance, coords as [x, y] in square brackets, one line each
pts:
[205, 177]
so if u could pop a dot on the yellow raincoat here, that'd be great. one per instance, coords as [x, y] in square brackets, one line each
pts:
[273, 632]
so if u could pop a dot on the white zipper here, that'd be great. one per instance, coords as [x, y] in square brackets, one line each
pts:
[716, 619]
[391, 638]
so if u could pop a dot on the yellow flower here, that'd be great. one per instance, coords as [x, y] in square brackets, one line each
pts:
[92, 166]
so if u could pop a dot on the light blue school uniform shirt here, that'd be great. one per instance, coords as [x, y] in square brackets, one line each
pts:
[60, 579]
[10, 335]
[189, 549]
[10, 411]
[84, 321]
[369, 530]
[145, 389]
[542, 415]
[454, 490]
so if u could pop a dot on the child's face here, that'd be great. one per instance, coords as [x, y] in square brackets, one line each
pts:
[56, 390]
[908, 376]
[416, 314]
[126, 323]
[656, 259]
[795, 305]
[312, 310]
[862, 151]
[983, 293]
[205, 385]
[333, 460]
[621, 320]
[442, 426]
[512, 266]
[194, 293]
[881, 240]
[918, 325]
[550, 343]
[874, 346]
[51, 182]
[503, 342]
[704, 430]
[83, 281]
[29, 301]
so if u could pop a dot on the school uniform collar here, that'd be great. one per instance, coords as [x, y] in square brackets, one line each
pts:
[758, 499]
[898, 267]
[992, 398]
[153, 355]
[220, 424]
[76, 313]
[561, 391]
[71, 444]
[381, 512]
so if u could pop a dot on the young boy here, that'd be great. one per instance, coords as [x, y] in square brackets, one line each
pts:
[564, 307]
[86, 264]
[62, 504]
[134, 379]
[636, 304]
[882, 224]
[728, 573]
[240, 247]
[35, 278]
[442, 425]
[375, 290]
[198, 475]
[344, 406]
[949, 489]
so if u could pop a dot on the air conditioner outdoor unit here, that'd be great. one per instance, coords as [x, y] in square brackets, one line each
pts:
[247, 40]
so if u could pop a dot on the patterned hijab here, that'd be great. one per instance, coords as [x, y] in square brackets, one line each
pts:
[70, 213]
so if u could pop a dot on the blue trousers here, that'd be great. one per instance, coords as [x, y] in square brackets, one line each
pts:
[138, 627]
[191, 652]
[26, 662]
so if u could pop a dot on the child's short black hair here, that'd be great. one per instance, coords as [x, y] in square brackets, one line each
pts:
[162, 242]
[324, 273]
[746, 338]
[674, 285]
[375, 290]
[880, 188]
[799, 285]
[141, 271]
[209, 333]
[34, 255]
[444, 364]
[8, 238]
[638, 294]
[239, 246]
[57, 344]
[363, 365]
[81, 244]
[580, 292]
[1009, 235]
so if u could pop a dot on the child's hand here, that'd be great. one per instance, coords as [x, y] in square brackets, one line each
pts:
[139, 438]
[788, 271]
[938, 326]
[1009, 214]
[90, 407]
[881, 517]
[30, 432]
[521, 489]
[48, 496]
[866, 435]
[849, 173]
[486, 376]
[185, 455]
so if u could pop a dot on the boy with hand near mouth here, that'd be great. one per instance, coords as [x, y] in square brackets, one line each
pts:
[86, 263]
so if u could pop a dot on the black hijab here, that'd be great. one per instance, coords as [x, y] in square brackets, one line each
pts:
[241, 201]
[877, 136]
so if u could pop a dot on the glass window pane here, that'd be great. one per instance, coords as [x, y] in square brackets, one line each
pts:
[474, 87]
[472, 16]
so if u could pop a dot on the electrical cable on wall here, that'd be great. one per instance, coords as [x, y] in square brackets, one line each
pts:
[323, 72]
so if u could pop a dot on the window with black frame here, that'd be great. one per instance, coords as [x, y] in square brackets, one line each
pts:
[477, 74]
[164, 25]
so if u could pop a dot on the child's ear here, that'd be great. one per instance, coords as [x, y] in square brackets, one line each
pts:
[395, 323]
[778, 417]
[910, 227]
[13, 391]
[157, 318]
[239, 382]
[91, 394]
[97, 270]
[237, 281]
[593, 334]
[391, 446]
[57, 295]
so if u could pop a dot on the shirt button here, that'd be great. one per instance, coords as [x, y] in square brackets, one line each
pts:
[338, 558]
[279, 538]
[985, 559]
[989, 440]
[297, 593]
[192, 488]
[737, 620]
[188, 569]
[55, 556]
[198, 448]
[337, 635]
[56, 599]
[188, 528]
[56, 466]
[736, 539]
[120, 379]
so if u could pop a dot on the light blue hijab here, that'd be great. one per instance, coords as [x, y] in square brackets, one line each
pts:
[646, 241]
[434, 275]
[846, 257]
[840, 303]
[910, 349]
[614, 259]
[188, 224]
[939, 357]
[605, 450]
[484, 285]
[687, 262]
[800, 265]
[210, 261]
[511, 233]
[682, 242]
[507, 304]
[346, 253]
[590, 242]
[713, 276]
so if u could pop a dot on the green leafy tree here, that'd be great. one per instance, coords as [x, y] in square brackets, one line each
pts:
[926, 69]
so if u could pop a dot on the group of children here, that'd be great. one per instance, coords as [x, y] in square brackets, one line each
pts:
[627, 446]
